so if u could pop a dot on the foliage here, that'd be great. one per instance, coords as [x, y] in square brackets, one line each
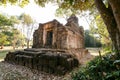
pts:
[27, 20]
[9, 37]
[105, 68]
[3, 39]
[63, 13]
[76, 5]
[28, 23]
[73, 5]
[90, 40]
[101, 30]
[14, 19]
[7, 30]
[5, 21]
[16, 38]
[21, 3]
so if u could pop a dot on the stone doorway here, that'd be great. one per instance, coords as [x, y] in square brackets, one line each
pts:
[49, 38]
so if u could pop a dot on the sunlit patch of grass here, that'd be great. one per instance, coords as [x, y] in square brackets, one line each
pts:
[94, 51]
[3, 54]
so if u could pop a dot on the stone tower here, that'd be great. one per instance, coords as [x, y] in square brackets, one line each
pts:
[57, 36]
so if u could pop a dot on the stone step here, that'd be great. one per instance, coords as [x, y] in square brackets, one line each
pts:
[50, 62]
[29, 53]
[45, 50]
[24, 60]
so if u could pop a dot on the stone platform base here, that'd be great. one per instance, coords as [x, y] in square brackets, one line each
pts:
[54, 61]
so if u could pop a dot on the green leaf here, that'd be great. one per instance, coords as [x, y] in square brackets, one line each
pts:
[71, 2]
[116, 62]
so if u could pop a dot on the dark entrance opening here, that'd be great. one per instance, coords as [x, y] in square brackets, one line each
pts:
[49, 38]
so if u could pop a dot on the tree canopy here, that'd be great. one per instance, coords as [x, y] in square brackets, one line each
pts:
[26, 19]
[4, 21]
[21, 3]
[7, 30]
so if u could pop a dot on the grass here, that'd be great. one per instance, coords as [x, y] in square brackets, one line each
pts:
[3, 54]
[4, 51]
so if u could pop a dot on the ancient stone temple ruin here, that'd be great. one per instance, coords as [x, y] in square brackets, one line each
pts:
[56, 48]
[57, 36]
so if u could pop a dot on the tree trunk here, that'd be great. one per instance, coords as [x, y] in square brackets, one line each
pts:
[115, 4]
[13, 45]
[28, 41]
[2, 46]
[107, 15]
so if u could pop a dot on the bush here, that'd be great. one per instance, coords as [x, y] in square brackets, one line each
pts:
[105, 68]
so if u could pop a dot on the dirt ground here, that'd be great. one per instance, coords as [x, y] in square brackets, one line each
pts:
[17, 72]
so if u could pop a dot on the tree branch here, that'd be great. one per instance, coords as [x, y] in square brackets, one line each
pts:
[109, 20]
[106, 14]
[115, 6]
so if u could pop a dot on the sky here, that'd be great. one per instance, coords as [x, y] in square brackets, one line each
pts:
[40, 14]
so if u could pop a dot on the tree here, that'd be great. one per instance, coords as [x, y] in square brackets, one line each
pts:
[5, 21]
[3, 40]
[91, 40]
[111, 18]
[5, 24]
[27, 21]
[15, 38]
[101, 30]
[21, 3]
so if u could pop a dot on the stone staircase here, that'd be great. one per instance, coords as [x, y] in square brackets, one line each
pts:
[54, 61]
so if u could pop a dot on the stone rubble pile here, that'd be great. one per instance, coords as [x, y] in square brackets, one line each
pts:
[50, 61]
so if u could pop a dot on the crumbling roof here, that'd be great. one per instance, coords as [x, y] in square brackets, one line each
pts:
[72, 24]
